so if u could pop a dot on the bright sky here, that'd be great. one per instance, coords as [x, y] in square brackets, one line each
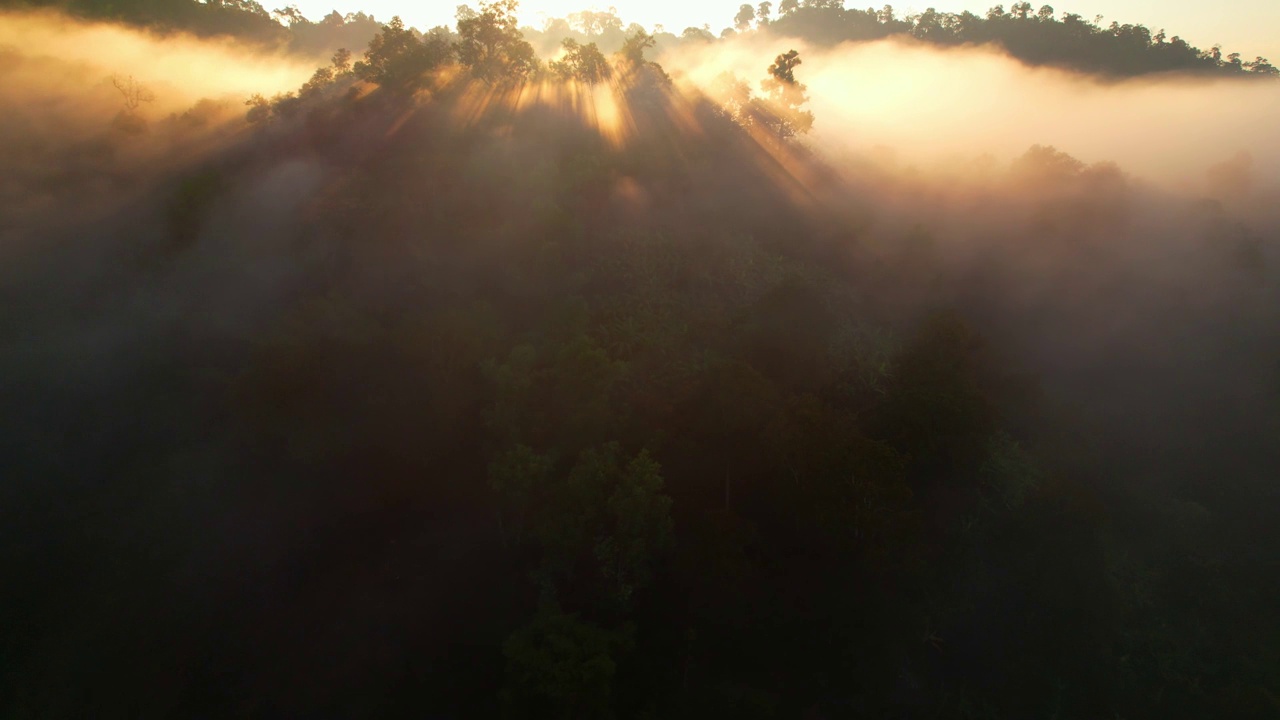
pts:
[1244, 26]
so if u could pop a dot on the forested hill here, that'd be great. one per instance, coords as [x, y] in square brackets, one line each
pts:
[1036, 37]
[459, 385]
[244, 19]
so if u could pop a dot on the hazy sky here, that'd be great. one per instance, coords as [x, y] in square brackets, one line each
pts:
[1244, 26]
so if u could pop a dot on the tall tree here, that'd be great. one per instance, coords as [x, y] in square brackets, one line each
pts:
[397, 59]
[596, 22]
[583, 63]
[786, 95]
[491, 45]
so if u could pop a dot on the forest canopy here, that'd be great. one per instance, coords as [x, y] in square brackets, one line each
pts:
[1037, 36]
[482, 371]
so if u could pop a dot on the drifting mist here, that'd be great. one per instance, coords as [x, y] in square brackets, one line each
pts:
[443, 386]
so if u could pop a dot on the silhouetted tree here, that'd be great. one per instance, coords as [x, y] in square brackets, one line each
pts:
[342, 61]
[562, 667]
[584, 63]
[133, 93]
[491, 45]
[786, 96]
[697, 34]
[596, 22]
[398, 60]
[644, 77]
[259, 109]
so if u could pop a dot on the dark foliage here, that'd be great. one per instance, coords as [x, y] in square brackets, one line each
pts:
[1035, 38]
[397, 407]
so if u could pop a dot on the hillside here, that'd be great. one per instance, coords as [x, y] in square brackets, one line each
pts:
[453, 384]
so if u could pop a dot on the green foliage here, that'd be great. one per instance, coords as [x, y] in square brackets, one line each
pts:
[491, 45]
[935, 410]
[191, 203]
[644, 79]
[1034, 37]
[640, 520]
[569, 394]
[785, 96]
[514, 383]
[342, 61]
[596, 22]
[673, 431]
[697, 35]
[1010, 471]
[259, 109]
[561, 667]
[780, 111]
[635, 46]
[519, 475]
[602, 526]
[583, 63]
[398, 60]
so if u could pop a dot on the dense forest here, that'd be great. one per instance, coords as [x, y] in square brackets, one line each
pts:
[498, 373]
[1036, 37]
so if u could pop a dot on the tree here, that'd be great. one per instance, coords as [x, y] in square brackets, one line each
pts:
[734, 96]
[596, 22]
[1262, 66]
[786, 95]
[285, 105]
[643, 76]
[936, 411]
[134, 93]
[491, 45]
[518, 475]
[259, 109]
[583, 63]
[320, 79]
[397, 60]
[763, 11]
[697, 34]
[786, 7]
[600, 528]
[342, 61]
[639, 520]
[561, 667]
[634, 47]
[289, 15]
[746, 14]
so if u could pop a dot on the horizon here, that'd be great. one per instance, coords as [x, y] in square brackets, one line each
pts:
[1200, 25]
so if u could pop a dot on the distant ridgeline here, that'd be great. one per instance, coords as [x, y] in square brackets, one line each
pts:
[243, 19]
[1035, 37]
